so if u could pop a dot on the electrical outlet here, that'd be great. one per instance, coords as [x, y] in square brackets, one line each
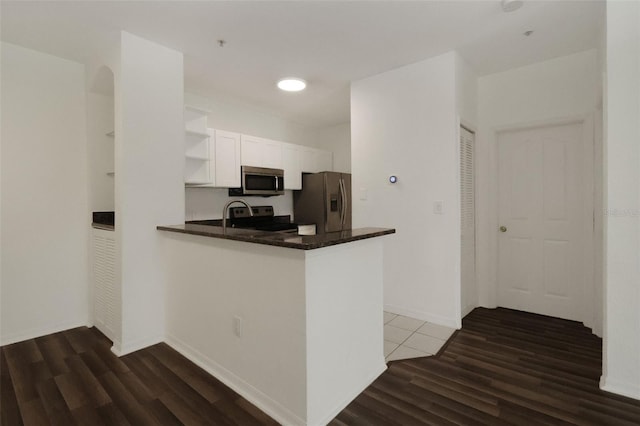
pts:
[237, 326]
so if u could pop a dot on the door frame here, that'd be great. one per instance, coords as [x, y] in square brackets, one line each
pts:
[589, 306]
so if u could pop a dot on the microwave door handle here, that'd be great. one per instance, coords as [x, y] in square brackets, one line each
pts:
[276, 178]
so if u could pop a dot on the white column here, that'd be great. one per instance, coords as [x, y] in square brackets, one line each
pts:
[621, 346]
[149, 187]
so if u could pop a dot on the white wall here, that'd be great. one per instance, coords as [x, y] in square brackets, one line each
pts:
[466, 93]
[45, 207]
[149, 96]
[558, 89]
[404, 122]
[100, 151]
[234, 116]
[621, 346]
[336, 139]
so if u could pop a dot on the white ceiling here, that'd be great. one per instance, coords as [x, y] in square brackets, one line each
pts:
[327, 43]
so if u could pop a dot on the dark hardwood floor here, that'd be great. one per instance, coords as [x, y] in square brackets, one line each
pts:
[503, 368]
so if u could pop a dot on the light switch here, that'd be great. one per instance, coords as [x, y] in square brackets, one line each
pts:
[363, 194]
[437, 207]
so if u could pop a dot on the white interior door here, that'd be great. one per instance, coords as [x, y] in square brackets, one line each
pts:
[541, 202]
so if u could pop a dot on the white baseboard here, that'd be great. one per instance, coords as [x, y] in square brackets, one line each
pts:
[273, 408]
[36, 332]
[421, 315]
[630, 390]
[135, 345]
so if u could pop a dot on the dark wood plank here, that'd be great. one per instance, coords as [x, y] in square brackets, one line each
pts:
[125, 401]
[87, 415]
[19, 357]
[161, 413]
[72, 391]
[9, 410]
[503, 368]
[88, 381]
[34, 414]
[55, 349]
[54, 404]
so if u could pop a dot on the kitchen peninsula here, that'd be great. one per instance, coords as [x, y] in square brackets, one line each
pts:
[292, 323]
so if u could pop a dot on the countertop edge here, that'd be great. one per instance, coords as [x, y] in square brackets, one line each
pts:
[103, 226]
[276, 239]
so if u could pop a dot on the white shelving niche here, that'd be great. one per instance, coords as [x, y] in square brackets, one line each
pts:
[197, 170]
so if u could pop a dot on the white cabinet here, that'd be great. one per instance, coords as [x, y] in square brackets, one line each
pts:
[226, 159]
[106, 297]
[260, 152]
[197, 168]
[292, 165]
[316, 160]
[213, 157]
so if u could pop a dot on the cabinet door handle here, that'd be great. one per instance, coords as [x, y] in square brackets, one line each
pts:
[503, 229]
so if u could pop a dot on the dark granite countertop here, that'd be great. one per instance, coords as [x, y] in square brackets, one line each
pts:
[103, 220]
[280, 239]
[103, 226]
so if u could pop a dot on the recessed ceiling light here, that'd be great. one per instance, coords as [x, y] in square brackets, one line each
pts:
[511, 5]
[292, 84]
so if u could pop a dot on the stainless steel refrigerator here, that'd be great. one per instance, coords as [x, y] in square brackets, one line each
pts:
[325, 199]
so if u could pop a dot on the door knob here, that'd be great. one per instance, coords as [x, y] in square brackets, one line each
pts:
[503, 229]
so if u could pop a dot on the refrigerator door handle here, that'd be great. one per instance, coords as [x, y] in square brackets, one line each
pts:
[345, 204]
[342, 202]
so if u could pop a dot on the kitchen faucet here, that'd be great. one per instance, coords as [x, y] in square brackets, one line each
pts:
[225, 210]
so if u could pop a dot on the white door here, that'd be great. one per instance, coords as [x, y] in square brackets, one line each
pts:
[541, 204]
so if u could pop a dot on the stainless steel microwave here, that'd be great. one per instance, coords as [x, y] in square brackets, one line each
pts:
[260, 181]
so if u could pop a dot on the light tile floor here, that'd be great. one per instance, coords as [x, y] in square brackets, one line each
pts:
[406, 337]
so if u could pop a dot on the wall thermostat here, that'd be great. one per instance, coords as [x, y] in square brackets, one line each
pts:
[393, 179]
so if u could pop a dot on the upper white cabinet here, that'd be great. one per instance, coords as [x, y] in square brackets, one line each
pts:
[197, 168]
[213, 158]
[261, 152]
[226, 159]
[292, 165]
